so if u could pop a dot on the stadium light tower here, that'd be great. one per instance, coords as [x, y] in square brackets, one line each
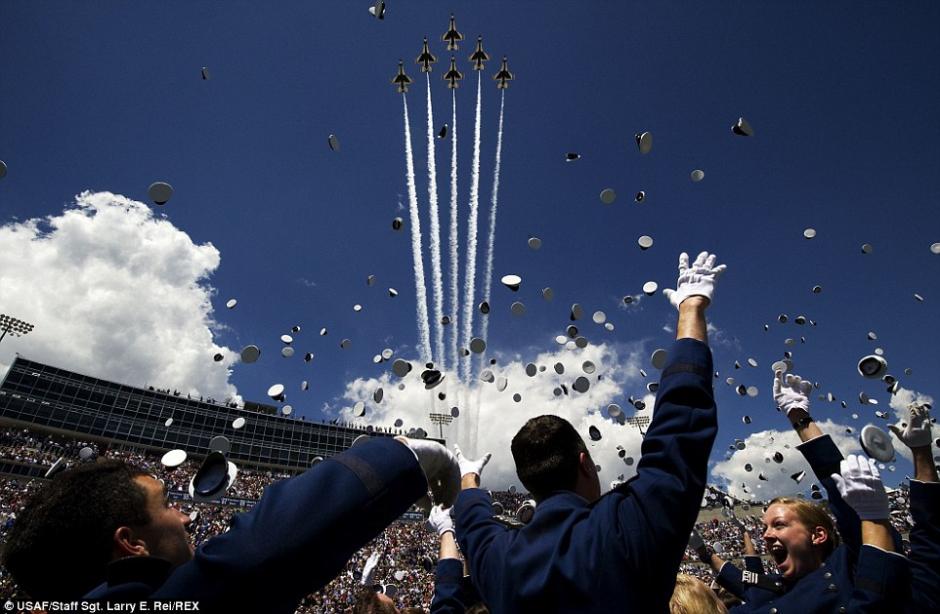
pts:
[14, 326]
[440, 420]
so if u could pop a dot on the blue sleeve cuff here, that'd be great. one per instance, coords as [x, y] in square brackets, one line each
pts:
[449, 570]
[822, 455]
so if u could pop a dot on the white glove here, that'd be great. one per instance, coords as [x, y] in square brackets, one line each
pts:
[860, 486]
[468, 465]
[915, 433]
[440, 520]
[368, 570]
[440, 468]
[791, 392]
[697, 280]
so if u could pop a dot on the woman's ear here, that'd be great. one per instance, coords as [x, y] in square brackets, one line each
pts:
[820, 536]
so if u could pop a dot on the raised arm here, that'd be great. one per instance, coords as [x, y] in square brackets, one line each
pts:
[474, 520]
[925, 509]
[448, 593]
[791, 393]
[656, 509]
[882, 576]
[291, 544]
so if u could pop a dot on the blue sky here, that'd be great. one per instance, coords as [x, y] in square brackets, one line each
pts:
[841, 97]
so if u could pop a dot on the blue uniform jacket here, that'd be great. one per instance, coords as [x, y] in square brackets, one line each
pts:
[925, 547]
[878, 582]
[622, 553]
[292, 543]
[854, 577]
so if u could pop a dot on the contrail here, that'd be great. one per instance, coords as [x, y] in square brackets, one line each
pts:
[435, 241]
[421, 295]
[454, 259]
[488, 279]
[471, 266]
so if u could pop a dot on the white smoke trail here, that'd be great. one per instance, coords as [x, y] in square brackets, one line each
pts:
[421, 295]
[471, 265]
[454, 259]
[488, 278]
[435, 241]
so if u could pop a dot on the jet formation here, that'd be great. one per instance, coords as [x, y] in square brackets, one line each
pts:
[478, 58]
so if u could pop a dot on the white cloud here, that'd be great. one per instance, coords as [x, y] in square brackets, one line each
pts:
[719, 337]
[115, 292]
[759, 452]
[500, 417]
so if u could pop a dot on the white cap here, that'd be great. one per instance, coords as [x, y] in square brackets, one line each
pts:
[173, 458]
[511, 281]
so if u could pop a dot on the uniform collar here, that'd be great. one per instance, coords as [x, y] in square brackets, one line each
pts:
[562, 498]
[149, 570]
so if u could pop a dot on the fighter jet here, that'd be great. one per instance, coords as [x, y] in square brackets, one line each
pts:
[426, 59]
[377, 10]
[401, 79]
[503, 76]
[452, 36]
[479, 56]
[453, 75]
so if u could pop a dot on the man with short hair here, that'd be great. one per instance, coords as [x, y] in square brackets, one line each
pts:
[585, 553]
[105, 531]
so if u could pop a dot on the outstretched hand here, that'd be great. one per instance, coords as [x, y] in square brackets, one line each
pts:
[469, 465]
[440, 521]
[699, 279]
[915, 433]
[860, 485]
[791, 392]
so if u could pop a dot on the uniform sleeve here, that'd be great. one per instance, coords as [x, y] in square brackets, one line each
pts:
[925, 545]
[658, 507]
[882, 581]
[477, 535]
[448, 589]
[824, 457]
[754, 563]
[301, 532]
[729, 578]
